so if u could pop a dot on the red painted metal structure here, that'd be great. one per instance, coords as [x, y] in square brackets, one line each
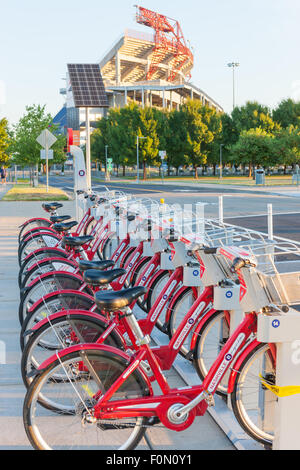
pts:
[169, 41]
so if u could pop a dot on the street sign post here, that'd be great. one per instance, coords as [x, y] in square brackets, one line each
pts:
[50, 155]
[46, 139]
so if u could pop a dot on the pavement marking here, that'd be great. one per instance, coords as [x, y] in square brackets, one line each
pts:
[260, 215]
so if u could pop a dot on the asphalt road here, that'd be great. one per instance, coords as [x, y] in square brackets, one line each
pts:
[240, 205]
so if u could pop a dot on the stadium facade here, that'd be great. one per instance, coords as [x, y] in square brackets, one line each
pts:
[150, 69]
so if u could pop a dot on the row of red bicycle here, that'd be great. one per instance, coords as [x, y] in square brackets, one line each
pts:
[90, 300]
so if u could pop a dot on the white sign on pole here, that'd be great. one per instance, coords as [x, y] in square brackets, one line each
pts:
[46, 139]
[50, 155]
[162, 154]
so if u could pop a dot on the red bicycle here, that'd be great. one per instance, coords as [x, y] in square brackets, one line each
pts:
[107, 394]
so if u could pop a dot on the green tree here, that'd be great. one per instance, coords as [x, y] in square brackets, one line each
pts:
[287, 146]
[201, 124]
[254, 147]
[4, 142]
[175, 144]
[287, 113]
[149, 146]
[25, 147]
[251, 116]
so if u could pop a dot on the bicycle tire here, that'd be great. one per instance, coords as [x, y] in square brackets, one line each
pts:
[160, 324]
[57, 301]
[93, 329]
[60, 281]
[251, 429]
[33, 401]
[33, 222]
[202, 368]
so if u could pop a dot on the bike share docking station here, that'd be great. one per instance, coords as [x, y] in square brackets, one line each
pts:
[80, 179]
[284, 330]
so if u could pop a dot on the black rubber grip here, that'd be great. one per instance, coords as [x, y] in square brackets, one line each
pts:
[210, 251]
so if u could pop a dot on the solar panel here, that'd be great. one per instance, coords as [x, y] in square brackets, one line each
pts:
[87, 86]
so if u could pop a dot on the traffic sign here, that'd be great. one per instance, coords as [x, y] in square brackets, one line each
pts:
[46, 139]
[162, 154]
[50, 155]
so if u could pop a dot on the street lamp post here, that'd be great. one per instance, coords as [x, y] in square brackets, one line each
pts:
[138, 156]
[221, 160]
[233, 65]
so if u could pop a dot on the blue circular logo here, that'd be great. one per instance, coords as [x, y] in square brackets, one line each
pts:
[165, 297]
[170, 257]
[275, 323]
[229, 294]
[144, 278]
[196, 272]
[228, 357]
[191, 321]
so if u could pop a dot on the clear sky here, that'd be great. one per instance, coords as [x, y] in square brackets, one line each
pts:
[38, 40]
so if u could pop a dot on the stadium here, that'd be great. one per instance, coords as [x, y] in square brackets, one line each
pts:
[150, 68]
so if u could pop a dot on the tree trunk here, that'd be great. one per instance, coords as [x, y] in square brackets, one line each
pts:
[196, 172]
[124, 170]
[214, 167]
[145, 170]
[250, 170]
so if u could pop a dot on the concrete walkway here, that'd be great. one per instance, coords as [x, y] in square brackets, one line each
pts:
[204, 434]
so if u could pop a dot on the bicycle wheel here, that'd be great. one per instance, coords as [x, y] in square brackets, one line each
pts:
[49, 265]
[252, 403]
[72, 399]
[180, 308]
[211, 339]
[142, 301]
[33, 224]
[38, 256]
[154, 291]
[90, 226]
[67, 330]
[37, 241]
[109, 247]
[51, 283]
[55, 303]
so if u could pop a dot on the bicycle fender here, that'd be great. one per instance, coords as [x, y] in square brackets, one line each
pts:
[33, 220]
[55, 294]
[199, 326]
[54, 273]
[237, 364]
[88, 347]
[40, 250]
[173, 301]
[62, 313]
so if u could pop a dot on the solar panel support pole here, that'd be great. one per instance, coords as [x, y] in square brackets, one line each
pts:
[88, 149]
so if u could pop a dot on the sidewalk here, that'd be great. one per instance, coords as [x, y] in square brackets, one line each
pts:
[204, 434]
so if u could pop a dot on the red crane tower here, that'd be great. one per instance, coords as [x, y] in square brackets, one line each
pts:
[169, 41]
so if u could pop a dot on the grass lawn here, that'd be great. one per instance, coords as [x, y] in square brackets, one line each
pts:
[276, 180]
[25, 192]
